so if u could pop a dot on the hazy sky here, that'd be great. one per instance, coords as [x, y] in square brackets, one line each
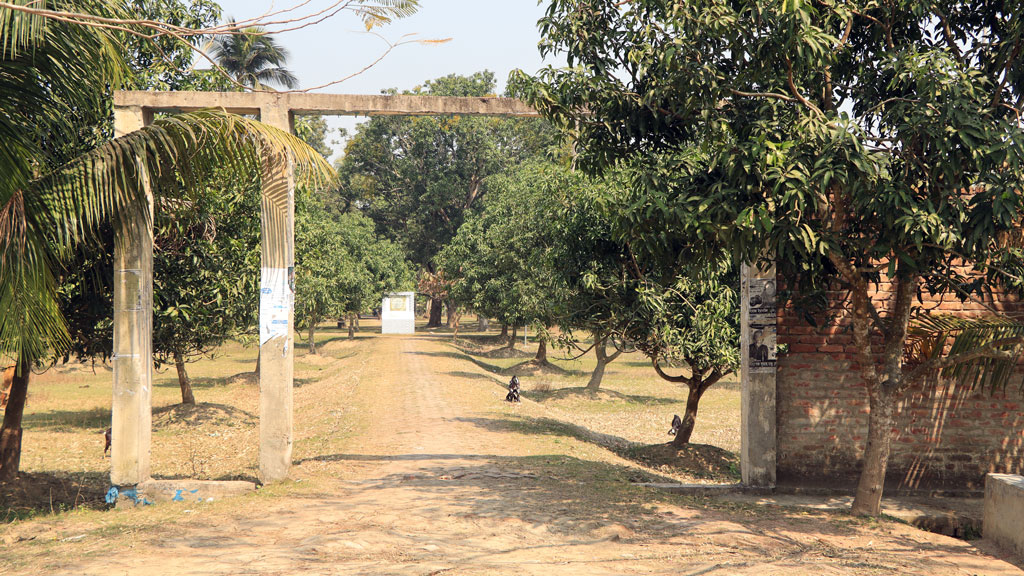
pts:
[497, 35]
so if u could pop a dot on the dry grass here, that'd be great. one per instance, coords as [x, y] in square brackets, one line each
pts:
[69, 408]
[405, 444]
[632, 403]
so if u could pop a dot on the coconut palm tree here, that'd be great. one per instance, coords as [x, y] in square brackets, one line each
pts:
[55, 78]
[252, 58]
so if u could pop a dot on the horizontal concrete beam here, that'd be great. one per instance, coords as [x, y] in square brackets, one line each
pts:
[331, 104]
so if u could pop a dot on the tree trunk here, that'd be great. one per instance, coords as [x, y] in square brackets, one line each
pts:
[512, 340]
[882, 391]
[541, 359]
[435, 313]
[10, 433]
[352, 326]
[183, 380]
[355, 323]
[312, 337]
[868, 498]
[482, 324]
[690, 417]
[504, 333]
[603, 360]
[452, 316]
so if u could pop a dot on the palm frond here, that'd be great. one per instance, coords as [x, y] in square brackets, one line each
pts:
[190, 146]
[52, 76]
[973, 352]
[376, 13]
[64, 207]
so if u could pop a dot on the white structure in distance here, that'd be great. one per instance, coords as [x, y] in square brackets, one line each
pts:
[398, 313]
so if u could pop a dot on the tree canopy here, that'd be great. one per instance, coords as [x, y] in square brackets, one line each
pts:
[418, 178]
[846, 141]
[54, 197]
[342, 268]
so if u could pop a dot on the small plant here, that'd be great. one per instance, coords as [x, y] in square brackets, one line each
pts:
[196, 459]
[543, 387]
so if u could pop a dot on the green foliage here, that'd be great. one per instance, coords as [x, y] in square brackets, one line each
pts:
[504, 261]
[55, 78]
[313, 131]
[206, 269]
[845, 141]
[167, 62]
[341, 266]
[995, 342]
[552, 247]
[417, 178]
[376, 13]
[841, 138]
[43, 108]
[691, 322]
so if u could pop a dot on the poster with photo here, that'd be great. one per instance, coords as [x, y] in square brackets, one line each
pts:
[763, 348]
[762, 301]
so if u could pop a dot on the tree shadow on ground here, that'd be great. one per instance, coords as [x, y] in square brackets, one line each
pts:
[341, 356]
[300, 382]
[221, 478]
[600, 394]
[44, 493]
[457, 356]
[476, 376]
[595, 502]
[531, 367]
[491, 349]
[58, 420]
[419, 456]
[171, 381]
[304, 343]
[694, 460]
[549, 427]
[454, 355]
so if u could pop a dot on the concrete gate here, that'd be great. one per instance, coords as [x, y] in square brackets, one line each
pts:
[133, 286]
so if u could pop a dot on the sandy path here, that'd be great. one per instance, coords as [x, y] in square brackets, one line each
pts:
[440, 481]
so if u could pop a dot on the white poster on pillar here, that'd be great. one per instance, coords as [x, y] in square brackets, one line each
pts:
[276, 296]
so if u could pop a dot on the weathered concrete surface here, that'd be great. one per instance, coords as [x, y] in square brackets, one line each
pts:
[254, 102]
[192, 490]
[277, 309]
[757, 397]
[131, 426]
[1004, 511]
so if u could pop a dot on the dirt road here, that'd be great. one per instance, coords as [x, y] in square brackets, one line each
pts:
[415, 465]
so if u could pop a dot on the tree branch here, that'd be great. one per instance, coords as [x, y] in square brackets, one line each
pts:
[772, 95]
[676, 379]
[795, 92]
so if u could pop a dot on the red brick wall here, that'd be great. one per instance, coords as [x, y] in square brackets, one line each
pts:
[945, 437]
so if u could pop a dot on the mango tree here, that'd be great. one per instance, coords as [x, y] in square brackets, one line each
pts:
[849, 142]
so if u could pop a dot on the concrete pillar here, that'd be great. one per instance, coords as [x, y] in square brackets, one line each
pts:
[131, 416]
[758, 353]
[1003, 520]
[277, 305]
